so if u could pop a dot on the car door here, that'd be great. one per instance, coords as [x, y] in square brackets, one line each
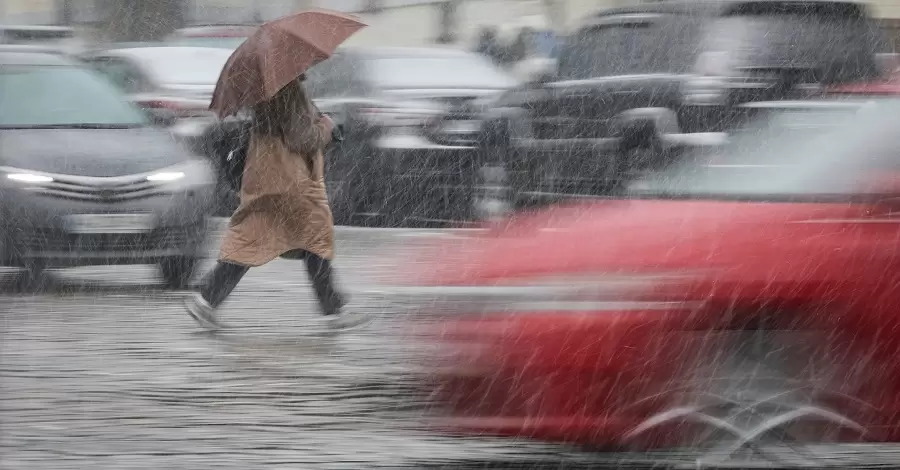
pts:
[335, 85]
[864, 244]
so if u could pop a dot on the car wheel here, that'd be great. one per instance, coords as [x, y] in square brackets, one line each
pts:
[635, 157]
[758, 401]
[177, 272]
[490, 199]
[33, 277]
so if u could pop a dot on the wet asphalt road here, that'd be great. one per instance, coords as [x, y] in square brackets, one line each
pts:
[102, 369]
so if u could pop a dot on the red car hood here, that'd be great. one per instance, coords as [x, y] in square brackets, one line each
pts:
[619, 237]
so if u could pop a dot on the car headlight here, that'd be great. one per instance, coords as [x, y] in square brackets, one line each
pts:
[166, 176]
[29, 178]
[20, 178]
[190, 173]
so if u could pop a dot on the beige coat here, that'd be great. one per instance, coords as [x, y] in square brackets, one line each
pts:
[283, 207]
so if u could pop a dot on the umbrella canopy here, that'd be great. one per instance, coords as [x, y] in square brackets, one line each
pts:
[276, 54]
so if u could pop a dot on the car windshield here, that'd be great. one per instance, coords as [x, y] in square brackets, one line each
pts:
[62, 96]
[798, 153]
[35, 35]
[463, 71]
[771, 34]
[191, 66]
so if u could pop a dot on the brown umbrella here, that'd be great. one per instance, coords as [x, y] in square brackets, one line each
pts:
[277, 53]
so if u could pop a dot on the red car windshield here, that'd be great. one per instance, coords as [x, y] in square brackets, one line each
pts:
[801, 153]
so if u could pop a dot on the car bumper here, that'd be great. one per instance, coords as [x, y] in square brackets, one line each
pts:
[34, 229]
[594, 380]
[427, 182]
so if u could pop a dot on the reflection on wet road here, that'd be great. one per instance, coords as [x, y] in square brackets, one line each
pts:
[100, 371]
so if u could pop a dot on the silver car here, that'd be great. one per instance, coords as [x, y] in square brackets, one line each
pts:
[86, 179]
[174, 83]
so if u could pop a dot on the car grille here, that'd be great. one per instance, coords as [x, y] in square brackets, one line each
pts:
[57, 240]
[460, 127]
[99, 189]
[457, 131]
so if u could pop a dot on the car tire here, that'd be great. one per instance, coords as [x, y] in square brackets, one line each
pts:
[753, 398]
[177, 272]
[33, 277]
[641, 154]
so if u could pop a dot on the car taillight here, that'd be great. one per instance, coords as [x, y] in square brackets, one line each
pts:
[179, 108]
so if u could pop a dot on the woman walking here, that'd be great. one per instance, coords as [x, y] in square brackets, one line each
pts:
[284, 209]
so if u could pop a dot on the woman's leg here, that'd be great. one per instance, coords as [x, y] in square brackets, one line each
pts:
[221, 282]
[322, 276]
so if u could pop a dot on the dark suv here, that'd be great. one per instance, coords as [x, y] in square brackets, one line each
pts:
[635, 85]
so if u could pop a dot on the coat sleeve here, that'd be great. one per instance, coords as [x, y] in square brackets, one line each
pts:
[312, 136]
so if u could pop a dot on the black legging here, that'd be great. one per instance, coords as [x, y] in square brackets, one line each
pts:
[226, 276]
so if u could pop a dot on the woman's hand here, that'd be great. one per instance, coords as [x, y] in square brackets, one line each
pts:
[326, 123]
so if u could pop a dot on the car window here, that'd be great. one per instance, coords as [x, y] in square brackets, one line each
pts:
[456, 71]
[190, 66]
[35, 35]
[335, 77]
[124, 74]
[660, 44]
[827, 151]
[832, 37]
[33, 95]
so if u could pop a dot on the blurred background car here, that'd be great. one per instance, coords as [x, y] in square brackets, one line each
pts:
[175, 84]
[411, 120]
[631, 80]
[735, 300]
[219, 36]
[63, 38]
[86, 179]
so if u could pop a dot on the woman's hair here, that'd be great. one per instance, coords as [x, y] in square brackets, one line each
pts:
[290, 116]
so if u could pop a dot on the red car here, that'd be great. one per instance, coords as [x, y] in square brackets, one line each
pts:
[743, 306]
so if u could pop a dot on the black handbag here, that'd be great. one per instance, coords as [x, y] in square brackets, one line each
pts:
[233, 161]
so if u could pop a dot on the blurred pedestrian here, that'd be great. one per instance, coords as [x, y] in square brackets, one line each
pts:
[488, 45]
[284, 209]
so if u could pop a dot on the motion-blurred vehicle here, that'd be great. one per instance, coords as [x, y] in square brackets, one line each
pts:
[736, 311]
[86, 179]
[63, 38]
[218, 36]
[411, 153]
[631, 78]
[173, 83]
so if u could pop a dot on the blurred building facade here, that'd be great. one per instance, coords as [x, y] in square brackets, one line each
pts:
[392, 22]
